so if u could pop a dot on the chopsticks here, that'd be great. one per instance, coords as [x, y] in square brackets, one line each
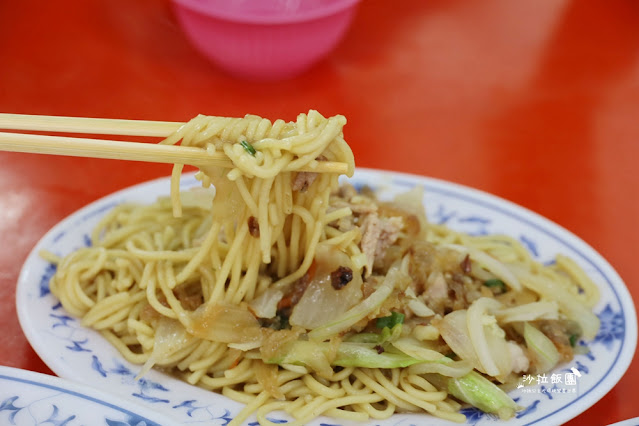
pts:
[114, 150]
[111, 149]
[93, 126]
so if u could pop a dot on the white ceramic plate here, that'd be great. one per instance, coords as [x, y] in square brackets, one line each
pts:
[79, 354]
[29, 398]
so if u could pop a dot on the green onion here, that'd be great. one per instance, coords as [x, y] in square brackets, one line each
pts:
[390, 321]
[573, 339]
[248, 148]
[495, 282]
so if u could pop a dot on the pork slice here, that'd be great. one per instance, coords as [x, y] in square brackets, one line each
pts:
[377, 235]
[371, 230]
[390, 230]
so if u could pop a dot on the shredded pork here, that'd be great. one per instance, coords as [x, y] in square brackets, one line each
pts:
[303, 180]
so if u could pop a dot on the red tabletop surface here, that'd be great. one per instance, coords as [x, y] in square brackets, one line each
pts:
[536, 102]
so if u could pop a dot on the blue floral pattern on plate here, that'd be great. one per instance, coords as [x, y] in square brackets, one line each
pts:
[81, 354]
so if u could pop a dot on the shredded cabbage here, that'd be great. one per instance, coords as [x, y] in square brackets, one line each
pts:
[454, 330]
[488, 338]
[265, 305]
[315, 355]
[480, 392]
[544, 350]
[568, 304]
[361, 310]
[529, 312]
[445, 367]
[320, 301]
[228, 324]
[417, 349]
[170, 336]
[488, 262]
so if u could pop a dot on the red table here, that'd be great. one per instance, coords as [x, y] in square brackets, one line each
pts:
[536, 102]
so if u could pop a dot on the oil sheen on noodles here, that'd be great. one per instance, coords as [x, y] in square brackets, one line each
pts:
[283, 290]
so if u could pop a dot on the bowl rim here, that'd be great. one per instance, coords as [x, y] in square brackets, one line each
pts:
[197, 6]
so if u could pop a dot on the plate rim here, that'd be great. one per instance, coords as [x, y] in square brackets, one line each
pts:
[77, 390]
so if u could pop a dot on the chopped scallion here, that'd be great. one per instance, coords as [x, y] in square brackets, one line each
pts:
[497, 283]
[573, 339]
[390, 321]
[248, 147]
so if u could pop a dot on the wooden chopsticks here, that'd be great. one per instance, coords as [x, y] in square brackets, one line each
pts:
[115, 150]
[111, 149]
[92, 126]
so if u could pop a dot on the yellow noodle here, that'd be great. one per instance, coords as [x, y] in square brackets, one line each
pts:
[174, 263]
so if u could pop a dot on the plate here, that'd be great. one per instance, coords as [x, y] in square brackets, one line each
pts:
[80, 354]
[29, 398]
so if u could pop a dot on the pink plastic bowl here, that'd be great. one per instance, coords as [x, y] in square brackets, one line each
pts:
[265, 39]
